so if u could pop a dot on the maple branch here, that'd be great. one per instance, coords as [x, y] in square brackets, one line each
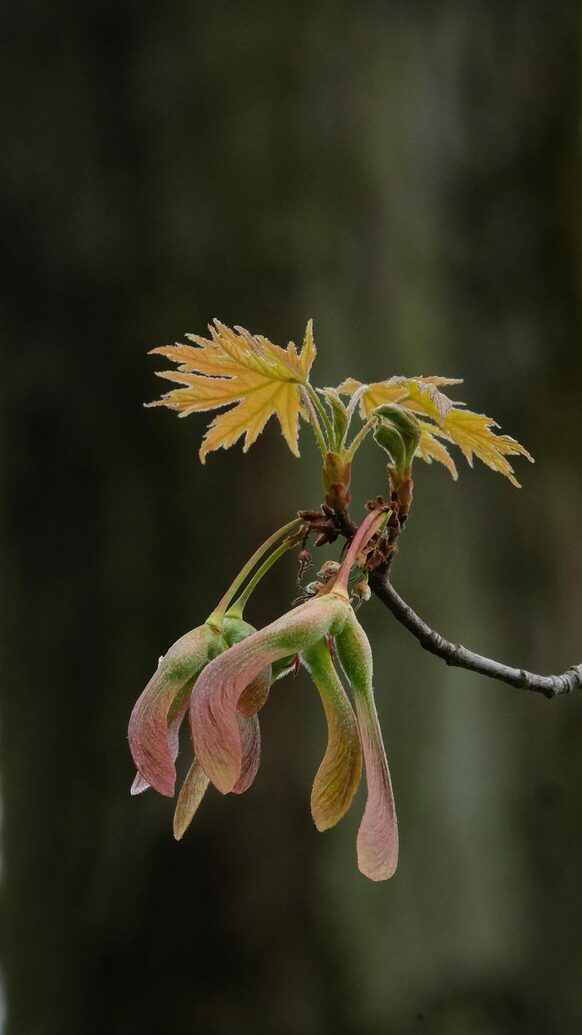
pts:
[459, 656]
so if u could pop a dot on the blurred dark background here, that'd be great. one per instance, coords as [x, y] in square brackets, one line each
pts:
[407, 173]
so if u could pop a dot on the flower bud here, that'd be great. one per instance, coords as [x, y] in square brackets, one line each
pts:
[398, 433]
[337, 474]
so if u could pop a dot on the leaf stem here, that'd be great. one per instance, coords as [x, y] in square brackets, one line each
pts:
[216, 618]
[354, 402]
[322, 413]
[323, 447]
[359, 438]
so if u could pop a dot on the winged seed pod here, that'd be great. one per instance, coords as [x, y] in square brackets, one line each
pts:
[214, 706]
[196, 783]
[340, 772]
[156, 718]
[377, 841]
[219, 738]
[157, 714]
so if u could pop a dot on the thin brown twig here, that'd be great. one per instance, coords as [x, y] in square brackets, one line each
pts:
[459, 656]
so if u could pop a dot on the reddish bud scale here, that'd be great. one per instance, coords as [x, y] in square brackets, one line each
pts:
[337, 474]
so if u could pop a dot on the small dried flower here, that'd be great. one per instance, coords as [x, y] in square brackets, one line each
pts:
[362, 592]
[328, 570]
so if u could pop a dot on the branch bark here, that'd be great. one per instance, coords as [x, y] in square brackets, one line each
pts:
[459, 656]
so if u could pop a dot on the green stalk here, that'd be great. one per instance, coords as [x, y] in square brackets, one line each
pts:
[322, 413]
[370, 525]
[354, 401]
[359, 438]
[323, 447]
[216, 618]
[236, 609]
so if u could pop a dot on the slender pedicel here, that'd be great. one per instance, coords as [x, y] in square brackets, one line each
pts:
[236, 610]
[217, 616]
[370, 525]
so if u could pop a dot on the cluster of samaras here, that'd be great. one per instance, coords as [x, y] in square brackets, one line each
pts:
[220, 674]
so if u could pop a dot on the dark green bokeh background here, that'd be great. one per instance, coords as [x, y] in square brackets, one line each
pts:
[407, 173]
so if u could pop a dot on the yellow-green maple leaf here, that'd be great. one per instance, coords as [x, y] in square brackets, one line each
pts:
[233, 366]
[419, 394]
[472, 432]
[429, 449]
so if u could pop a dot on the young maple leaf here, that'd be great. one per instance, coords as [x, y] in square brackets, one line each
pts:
[419, 394]
[429, 449]
[470, 431]
[233, 366]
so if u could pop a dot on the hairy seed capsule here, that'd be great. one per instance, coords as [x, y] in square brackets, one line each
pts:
[313, 588]
[362, 591]
[328, 570]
